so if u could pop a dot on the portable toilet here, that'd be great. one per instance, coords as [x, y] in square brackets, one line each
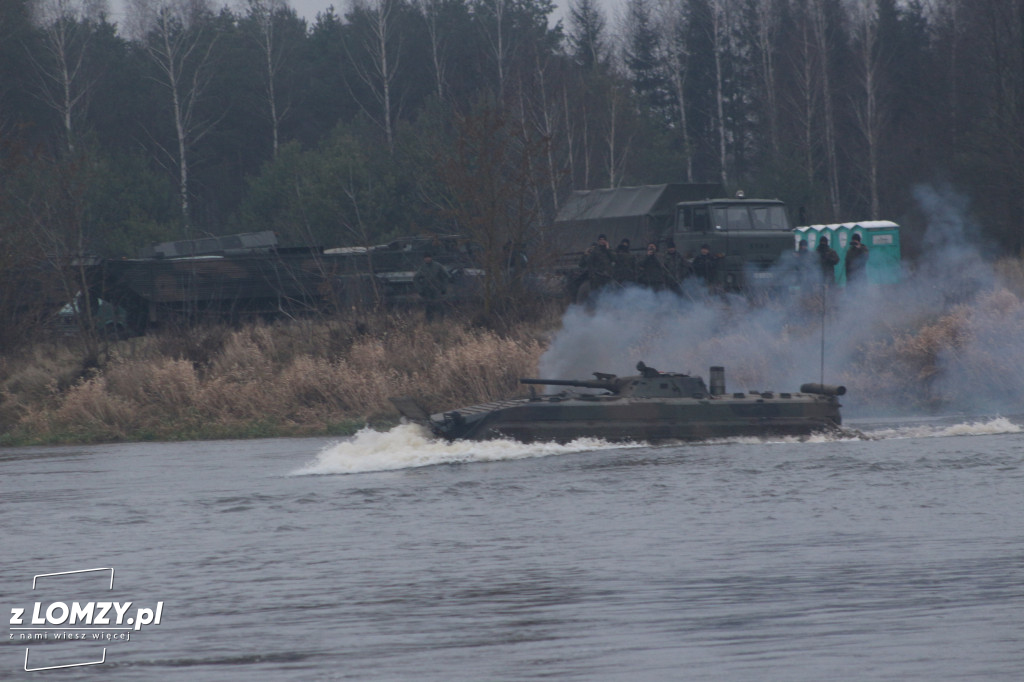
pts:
[882, 237]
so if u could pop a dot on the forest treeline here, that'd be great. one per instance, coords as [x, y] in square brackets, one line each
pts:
[478, 117]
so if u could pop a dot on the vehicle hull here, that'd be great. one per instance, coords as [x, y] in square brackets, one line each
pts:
[565, 418]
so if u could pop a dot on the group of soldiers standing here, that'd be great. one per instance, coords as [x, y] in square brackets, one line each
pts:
[855, 263]
[601, 267]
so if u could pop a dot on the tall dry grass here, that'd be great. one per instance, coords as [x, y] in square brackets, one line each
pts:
[304, 377]
[967, 358]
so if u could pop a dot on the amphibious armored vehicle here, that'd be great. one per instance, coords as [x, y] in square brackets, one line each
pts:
[649, 407]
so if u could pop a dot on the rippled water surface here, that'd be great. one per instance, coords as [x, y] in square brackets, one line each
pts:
[392, 557]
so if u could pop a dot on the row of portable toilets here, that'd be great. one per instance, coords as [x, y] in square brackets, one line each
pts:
[882, 237]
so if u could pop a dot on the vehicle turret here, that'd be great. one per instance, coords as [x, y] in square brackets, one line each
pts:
[650, 383]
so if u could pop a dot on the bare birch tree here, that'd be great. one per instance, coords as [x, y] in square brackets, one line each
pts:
[66, 34]
[546, 124]
[868, 109]
[806, 93]
[672, 16]
[264, 15]
[431, 11]
[589, 47]
[569, 113]
[720, 46]
[617, 149]
[175, 35]
[823, 44]
[378, 39]
[496, 28]
[768, 21]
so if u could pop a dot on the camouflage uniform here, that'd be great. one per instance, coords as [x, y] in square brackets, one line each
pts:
[705, 265]
[431, 282]
[856, 260]
[651, 272]
[598, 263]
[624, 268]
[678, 269]
[828, 258]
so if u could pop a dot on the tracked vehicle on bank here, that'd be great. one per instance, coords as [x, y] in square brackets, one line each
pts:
[649, 407]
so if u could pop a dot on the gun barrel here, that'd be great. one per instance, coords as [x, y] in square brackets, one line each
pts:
[594, 383]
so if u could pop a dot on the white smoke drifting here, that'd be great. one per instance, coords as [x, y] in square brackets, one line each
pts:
[947, 337]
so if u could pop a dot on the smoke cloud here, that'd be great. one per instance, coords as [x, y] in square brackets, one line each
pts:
[945, 338]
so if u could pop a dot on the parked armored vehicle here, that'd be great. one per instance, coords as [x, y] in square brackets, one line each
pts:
[108, 320]
[649, 407]
[238, 276]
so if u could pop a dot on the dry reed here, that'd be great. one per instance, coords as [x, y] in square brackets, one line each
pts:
[301, 378]
[963, 358]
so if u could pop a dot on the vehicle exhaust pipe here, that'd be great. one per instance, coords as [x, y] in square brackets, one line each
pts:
[717, 381]
[823, 389]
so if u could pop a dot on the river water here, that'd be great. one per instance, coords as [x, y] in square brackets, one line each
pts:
[392, 557]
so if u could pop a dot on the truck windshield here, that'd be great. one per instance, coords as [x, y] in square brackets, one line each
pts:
[769, 218]
[735, 218]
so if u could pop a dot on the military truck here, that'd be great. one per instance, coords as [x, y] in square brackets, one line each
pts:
[747, 236]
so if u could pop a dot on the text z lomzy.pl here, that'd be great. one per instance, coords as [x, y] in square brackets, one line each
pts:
[110, 613]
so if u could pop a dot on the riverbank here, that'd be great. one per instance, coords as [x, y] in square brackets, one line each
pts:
[299, 378]
[913, 349]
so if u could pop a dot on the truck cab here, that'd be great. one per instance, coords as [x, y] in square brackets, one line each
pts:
[748, 236]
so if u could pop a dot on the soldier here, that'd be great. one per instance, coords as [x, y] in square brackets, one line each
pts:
[624, 268]
[431, 282]
[705, 265]
[597, 264]
[803, 266]
[677, 267]
[856, 260]
[651, 271]
[828, 259]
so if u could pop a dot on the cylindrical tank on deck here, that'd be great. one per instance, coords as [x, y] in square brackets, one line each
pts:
[717, 380]
[823, 389]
